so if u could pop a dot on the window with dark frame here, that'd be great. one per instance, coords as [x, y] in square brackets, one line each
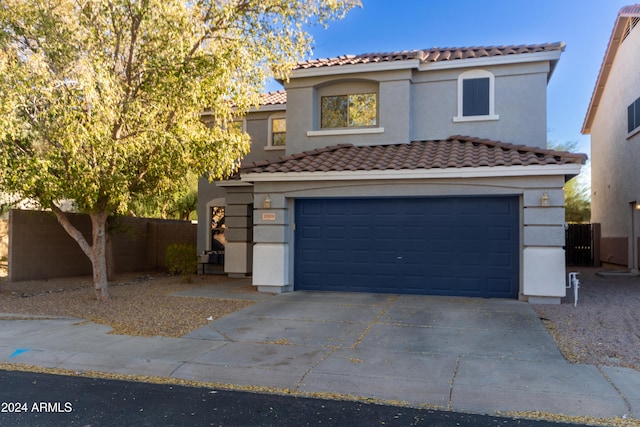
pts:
[633, 115]
[348, 111]
[475, 97]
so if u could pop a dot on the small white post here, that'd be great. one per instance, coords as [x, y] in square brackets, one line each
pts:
[573, 281]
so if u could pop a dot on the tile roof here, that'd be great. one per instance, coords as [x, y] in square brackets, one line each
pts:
[432, 55]
[274, 98]
[630, 10]
[453, 152]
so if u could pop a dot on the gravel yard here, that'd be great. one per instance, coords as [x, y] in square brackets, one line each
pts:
[141, 304]
[604, 328]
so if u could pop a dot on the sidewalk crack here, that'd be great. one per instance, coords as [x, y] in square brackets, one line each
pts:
[374, 321]
[624, 398]
[322, 359]
[453, 380]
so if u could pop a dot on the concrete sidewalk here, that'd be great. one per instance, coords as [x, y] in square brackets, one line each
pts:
[469, 355]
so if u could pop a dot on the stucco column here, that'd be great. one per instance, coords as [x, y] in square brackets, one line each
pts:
[271, 272]
[238, 253]
[543, 257]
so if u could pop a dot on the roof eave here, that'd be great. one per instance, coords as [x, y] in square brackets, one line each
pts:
[605, 68]
[259, 109]
[268, 107]
[552, 57]
[567, 169]
[354, 68]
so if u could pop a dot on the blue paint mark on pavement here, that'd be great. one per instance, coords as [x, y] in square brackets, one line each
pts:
[18, 352]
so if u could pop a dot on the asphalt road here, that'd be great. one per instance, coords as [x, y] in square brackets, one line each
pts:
[34, 399]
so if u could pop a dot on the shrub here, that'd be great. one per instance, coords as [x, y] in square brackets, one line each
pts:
[181, 259]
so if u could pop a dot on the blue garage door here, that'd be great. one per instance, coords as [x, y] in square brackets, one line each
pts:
[465, 246]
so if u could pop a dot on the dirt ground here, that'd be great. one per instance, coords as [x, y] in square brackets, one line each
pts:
[141, 304]
[604, 328]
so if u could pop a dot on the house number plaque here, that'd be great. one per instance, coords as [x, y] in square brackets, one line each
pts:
[268, 216]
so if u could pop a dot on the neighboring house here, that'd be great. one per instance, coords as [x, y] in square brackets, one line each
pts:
[613, 121]
[372, 193]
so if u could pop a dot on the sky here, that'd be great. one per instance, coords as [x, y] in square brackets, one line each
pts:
[584, 25]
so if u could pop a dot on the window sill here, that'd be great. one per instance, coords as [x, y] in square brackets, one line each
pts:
[461, 119]
[633, 133]
[275, 147]
[337, 132]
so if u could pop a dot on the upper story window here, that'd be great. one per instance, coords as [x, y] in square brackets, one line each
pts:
[633, 113]
[277, 131]
[237, 125]
[348, 111]
[476, 96]
[346, 107]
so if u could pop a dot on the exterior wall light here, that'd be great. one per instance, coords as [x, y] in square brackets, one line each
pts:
[267, 202]
[545, 202]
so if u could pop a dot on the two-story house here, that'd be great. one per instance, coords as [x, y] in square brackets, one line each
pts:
[613, 121]
[373, 193]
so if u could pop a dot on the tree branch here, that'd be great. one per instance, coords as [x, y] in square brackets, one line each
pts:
[63, 219]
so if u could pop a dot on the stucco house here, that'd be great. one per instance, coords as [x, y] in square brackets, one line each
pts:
[613, 121]
[374, 188]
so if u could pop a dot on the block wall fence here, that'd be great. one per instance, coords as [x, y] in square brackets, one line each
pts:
[39, 248]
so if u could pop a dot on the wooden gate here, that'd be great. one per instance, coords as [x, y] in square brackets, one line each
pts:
[582, 244]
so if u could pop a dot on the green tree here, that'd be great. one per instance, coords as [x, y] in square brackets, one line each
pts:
[577, 191]
[101, 99]
[181, 203]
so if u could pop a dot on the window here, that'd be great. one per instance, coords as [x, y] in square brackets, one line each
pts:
[633, 113]
[348, 111]
[237, 125]
[217, 228]
[277, 131]
[476, 96]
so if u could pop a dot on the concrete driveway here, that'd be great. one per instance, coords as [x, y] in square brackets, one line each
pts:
[477, 355]
[462, 354]
[423, 325]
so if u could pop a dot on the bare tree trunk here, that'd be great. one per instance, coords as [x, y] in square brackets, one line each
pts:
[99, 255]
[111, 267]
[96, 252]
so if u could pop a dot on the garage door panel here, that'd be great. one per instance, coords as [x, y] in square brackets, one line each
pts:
[499, 259]
[469, 284]
[336, 209]
[313, 208]
[311, 256]
[311, 232]
[442, 285]
[443, 246]
[496, 207]
[337, 256]
[499, 233]
[498, 285]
